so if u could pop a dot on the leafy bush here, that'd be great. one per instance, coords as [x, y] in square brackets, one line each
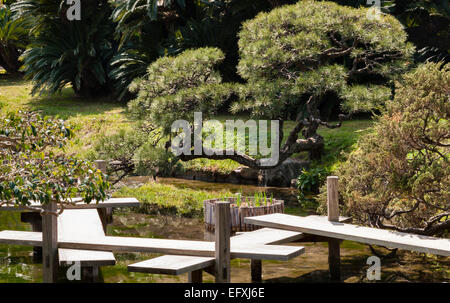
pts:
[32, 171]
[399, 176]
[135, 152]
[309, 181]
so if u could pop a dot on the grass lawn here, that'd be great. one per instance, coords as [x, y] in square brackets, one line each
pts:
[87, 117]
[168, 199]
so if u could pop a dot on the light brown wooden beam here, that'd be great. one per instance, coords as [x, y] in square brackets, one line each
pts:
[79, 204]
[163, 246]
[171, 265]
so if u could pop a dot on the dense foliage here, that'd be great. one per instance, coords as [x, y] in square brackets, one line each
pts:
[296, 60]
[309, 181]
[120, 38]
[177, 86]
[13, 39]
[139, 151]
[32, 171]
[147, 30]
[427, 23]
[68, 52]
[399, 176]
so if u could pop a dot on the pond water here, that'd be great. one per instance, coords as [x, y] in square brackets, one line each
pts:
[16, 262]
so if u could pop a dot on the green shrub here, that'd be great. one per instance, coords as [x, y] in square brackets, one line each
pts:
[309, 181]
[177, 86]
[135, 151]
[399, 176]
[33, 169]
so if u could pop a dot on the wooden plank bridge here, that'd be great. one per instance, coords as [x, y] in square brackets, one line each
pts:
[81, 237]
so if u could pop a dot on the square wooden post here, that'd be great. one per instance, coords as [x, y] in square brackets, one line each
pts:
[195, 276]
[50, 244]
[222, 233]
[256, 270]
[106, 214]
[35, 219]
[334, 254]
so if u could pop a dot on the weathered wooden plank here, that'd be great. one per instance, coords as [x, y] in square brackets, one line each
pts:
[356, 233]
[81, 224]
[180, 264]
[334, 259]
[87, 258]
[163, 246]
[263, 236]
[79, 204]
[171, 265]
[342, 219]
[28, 238]
[267, 236]
[265, 252]
[333, 198]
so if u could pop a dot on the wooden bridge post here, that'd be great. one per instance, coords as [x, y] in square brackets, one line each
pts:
[35, 220]
[50, 244]
[105, 213]
[222, 232]
[334, 257]
[195, 276]
[256, 270]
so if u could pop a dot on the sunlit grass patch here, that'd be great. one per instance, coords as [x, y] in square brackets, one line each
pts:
[169, 199]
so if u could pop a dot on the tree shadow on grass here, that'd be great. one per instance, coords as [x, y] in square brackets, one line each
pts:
[11, 80]
[67, 104]
[64, 105]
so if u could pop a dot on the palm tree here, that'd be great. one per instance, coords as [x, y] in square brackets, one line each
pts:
[13, 39]
[63, 52]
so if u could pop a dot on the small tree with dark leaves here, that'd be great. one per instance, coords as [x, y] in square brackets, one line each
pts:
[33, 171]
